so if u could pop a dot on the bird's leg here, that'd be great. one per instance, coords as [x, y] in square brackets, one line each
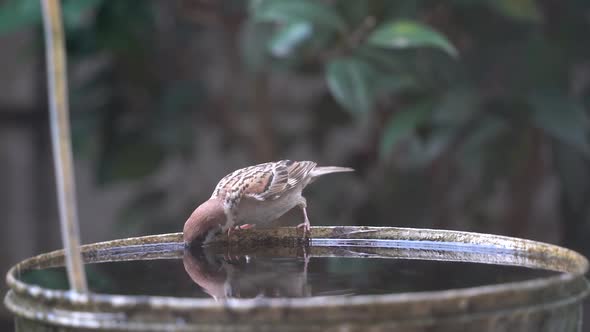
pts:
[230, 226]
[305, 225]
[227, 256]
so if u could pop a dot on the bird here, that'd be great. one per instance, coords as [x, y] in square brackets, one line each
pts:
[255, 195]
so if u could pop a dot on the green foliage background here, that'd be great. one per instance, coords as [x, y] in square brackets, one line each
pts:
[455, 99]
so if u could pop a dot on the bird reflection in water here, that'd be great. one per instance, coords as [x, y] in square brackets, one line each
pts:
[224, 277]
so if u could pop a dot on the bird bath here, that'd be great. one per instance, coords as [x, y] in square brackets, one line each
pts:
[345, 278]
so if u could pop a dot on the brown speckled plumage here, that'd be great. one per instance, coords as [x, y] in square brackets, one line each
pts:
[255, 195]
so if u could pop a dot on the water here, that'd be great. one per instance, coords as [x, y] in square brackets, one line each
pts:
[325, 269]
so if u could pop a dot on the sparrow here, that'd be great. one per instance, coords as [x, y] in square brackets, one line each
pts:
[255, 195]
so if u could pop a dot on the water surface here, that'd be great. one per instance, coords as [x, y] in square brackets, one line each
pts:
[335, 270]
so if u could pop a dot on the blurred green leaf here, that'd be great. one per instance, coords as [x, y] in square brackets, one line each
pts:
[319, 41]
[356, 83]
[16, 14]
[574, 173]
[288, 11]
[563, 119]
[172, 126]
[84, 127]
[74, 11]
[409, 34]
[480, 142]
[141, 210]
[354, 12]
[351, 82]
[382, 59]
[289, 37]
[130, 160]
[386, 83]
[457, 105]
[125, 28]
[522, 10]
[402, 124]
[253, 45]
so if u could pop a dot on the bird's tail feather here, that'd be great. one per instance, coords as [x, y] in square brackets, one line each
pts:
[319, 171]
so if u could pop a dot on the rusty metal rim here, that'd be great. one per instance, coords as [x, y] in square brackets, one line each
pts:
[571, 285]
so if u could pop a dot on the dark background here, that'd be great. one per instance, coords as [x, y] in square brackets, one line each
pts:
[466, 115]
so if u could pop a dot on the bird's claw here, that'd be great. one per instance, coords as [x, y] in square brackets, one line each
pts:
[306, 228]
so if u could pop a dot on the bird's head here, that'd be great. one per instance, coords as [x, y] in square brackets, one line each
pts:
[204, 221]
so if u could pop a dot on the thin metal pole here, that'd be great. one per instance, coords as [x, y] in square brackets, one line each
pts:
[61, 142]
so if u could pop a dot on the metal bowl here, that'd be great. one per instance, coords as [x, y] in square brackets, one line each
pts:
[550, 303]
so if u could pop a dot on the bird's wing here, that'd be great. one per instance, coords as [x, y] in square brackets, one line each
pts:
[252, 176]
[280, 178]
[263, 181]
